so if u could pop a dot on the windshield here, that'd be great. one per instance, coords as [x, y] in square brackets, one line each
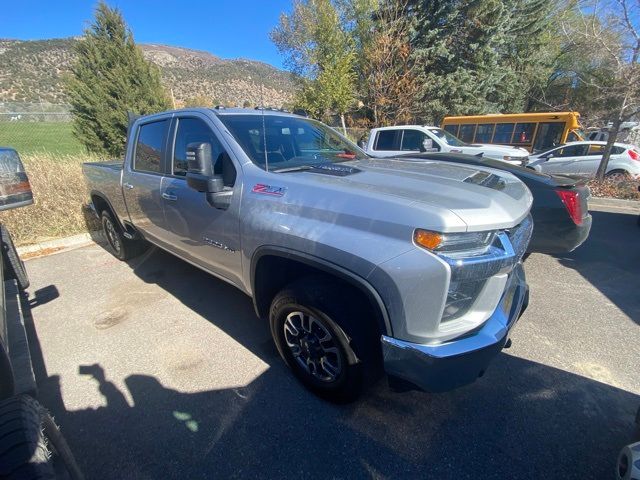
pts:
[290, 142]
[447, 137]
[575, 135]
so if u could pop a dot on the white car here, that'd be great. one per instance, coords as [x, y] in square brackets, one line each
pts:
[404, 139]
[583, 158]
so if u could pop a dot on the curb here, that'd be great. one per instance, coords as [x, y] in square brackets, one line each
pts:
[59, 245]
[630, 205]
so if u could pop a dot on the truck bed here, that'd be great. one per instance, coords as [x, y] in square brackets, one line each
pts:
[114, 164]
[104, 180]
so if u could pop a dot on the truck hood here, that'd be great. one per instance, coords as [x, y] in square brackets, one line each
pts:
[433, 194]
[493, 151]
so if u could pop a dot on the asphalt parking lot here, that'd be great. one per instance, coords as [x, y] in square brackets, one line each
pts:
[156, 370]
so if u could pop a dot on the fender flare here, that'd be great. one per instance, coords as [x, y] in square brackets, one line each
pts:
[325, 266]
[125, 226]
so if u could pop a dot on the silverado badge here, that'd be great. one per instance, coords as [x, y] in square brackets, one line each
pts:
[268, 189]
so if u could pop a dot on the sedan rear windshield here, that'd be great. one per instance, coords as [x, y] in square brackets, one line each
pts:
[276, 142]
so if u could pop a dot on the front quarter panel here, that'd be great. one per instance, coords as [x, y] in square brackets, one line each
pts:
[279, 213]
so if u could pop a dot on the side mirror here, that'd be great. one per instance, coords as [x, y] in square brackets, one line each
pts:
[200, 175]
[15, 190]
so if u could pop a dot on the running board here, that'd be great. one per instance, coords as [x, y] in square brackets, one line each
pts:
[19, 354]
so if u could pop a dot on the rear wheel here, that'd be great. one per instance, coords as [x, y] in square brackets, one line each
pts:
[121, 247]
[326, 339]
[12, 264]
[618, 175]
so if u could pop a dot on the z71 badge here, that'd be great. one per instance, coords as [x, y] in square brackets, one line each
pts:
[268, 189]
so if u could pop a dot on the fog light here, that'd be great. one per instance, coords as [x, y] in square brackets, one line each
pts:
[460, 298]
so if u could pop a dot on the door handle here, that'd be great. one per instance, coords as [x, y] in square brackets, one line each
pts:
[127, 185]
[170, 196]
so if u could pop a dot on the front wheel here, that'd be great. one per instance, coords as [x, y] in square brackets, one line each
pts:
[324, 338]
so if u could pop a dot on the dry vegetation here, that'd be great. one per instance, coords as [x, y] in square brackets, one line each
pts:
[626, 189]
[60, 200]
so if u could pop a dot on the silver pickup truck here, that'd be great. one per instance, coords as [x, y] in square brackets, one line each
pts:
[360, 264]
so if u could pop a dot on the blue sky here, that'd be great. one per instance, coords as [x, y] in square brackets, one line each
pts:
[229, 29]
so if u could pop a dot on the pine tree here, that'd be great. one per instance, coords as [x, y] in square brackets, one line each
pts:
[109, 78]
[458, 45]
[532, 49]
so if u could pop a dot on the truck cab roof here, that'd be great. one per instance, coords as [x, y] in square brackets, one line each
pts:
[397, 127]
[228, 111]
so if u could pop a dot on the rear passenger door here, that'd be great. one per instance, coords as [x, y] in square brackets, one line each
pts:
[589, 163]
[142, 177]
[387, 143]
[205, 235]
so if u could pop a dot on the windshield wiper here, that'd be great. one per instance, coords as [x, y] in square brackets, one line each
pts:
[299, 168]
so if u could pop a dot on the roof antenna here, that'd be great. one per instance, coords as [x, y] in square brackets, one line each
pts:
[264, 131]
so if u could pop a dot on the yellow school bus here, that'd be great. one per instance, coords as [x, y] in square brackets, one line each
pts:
[534, 131]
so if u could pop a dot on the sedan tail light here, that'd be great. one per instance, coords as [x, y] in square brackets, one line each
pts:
[571, 200]
[633, 155]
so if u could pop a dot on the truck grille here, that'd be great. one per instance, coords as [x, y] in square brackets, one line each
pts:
[520, 236]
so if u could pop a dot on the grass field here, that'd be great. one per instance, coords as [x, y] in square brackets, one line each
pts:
[54, 138]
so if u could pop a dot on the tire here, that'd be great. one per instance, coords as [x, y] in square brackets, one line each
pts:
[618, 175]
[12, 264]
[31, 446]
[628, 465]
[121, 247]
[320, 334]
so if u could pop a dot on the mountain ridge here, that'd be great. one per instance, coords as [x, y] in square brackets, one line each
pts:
[33, 72]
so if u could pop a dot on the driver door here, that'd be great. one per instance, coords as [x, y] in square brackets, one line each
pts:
[415, 141]
[565, 160]
[205, 235]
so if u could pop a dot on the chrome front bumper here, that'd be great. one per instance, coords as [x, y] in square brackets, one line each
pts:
[442, 367]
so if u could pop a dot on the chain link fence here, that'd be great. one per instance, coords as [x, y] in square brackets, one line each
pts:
[38, 127]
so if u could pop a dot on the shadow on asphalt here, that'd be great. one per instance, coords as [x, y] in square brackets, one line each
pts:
[521, 420]
[610, 260]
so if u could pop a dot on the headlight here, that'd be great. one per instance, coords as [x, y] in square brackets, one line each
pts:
[467, 243]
